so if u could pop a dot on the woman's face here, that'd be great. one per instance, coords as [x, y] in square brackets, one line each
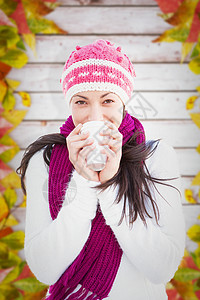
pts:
[96, 106]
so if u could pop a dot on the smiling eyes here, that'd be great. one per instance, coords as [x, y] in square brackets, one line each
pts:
[84, 101]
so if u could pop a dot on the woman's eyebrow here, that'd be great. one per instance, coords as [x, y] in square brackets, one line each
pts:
[87, 98]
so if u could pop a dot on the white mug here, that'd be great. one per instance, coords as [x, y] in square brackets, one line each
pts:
[95, 159]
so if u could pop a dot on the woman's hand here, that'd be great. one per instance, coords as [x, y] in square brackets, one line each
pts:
[113, 138]
[79, 147]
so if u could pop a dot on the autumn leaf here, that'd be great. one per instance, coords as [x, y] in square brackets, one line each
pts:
[26, 99]
[198, 89]
[196, 180]
[194, 233]
[4, 170]
[4, 70]
[30, 41]
[198, 148]
[8, 6]
[186, 48]
[8, 148]
[14, 240]
[195, 26]
[13, 84]
[15, 58]
[12, 180]
[20, 18]
[168, 6]
[4, 20]
[30, 284]
[3, 208]
[5, 126]
[14, 117]
[9, 101]
[3, 90]
[10, 197]
[189, 196]
[190, 102]
[9, 221]
[42, 25]
[194, 65]
[10, 35]
[196, 118]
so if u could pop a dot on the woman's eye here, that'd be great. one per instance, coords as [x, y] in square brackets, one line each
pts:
[109, 100]
[79, 101]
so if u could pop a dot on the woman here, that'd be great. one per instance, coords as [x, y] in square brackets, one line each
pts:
[118, 233]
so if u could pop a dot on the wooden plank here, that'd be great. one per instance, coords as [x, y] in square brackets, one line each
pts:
[150, 77]
[108, 2]
[189, 161]
[190, 214]
[152, 105]
[109, 20]
[139, 48]
[176, 133]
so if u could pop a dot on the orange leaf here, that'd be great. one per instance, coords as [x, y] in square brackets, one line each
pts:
[20, 18]
[5, 232]
[190, 102]
[4, 70]
[3, 90]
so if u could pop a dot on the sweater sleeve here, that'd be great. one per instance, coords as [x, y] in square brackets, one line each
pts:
[155, 251]
[52, 245]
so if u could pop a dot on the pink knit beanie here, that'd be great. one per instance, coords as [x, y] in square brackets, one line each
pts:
[98, 66]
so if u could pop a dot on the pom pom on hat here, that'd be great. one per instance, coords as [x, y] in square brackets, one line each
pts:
[98, 66]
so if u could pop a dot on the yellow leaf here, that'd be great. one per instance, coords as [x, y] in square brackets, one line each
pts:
[3, 208]
[194, 233]
[13, 84]
[14, 117]
[198, 148]
[11, 221]
[23, 204]
[189, 196]
[15, 58]
[196, 180]
[30, 41]
[190, 102]
[12, 180]
[196, 118]
[3, 90]
[26, 99]
[194, 65]
[9, 100]
[9, 148]
[198, 89]
[10, 196]
[164, 37]
[186, 48]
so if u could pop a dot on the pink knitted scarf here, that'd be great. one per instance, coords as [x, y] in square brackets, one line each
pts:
[95, 268]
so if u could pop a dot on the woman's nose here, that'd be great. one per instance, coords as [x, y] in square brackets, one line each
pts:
[95, 114]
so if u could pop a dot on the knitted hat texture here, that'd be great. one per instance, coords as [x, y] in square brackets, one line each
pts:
[98, 67]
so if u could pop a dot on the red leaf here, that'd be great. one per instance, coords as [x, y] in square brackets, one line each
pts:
[195, 27]
[6, 231]
[20, 18]
[169, 6]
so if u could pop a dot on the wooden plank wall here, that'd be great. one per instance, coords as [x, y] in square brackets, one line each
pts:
[162, 83]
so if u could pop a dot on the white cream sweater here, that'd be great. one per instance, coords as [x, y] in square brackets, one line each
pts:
[151, 255]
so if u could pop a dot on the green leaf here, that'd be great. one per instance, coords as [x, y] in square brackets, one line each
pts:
[30, 284]
[42, 25]
[8, 6]
[9, 34]
[12, 275]
[14, 240]
[9, 100]
[195, 51]
[186, 274]
[15, 58]
[8, 291]
[20, 44]
[10, 196]
[3, 48]
[196, 285]
[179, 35]
[11, 148]
[4, 251]
[12, 260]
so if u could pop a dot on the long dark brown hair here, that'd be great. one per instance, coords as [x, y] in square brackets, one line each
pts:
[133, 176]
